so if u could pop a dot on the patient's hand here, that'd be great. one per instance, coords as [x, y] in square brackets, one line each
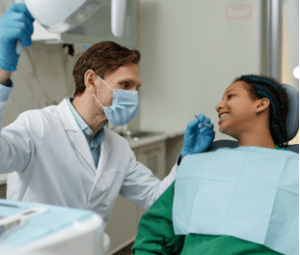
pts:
[197, 137]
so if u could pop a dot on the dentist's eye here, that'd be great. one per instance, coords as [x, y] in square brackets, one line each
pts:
[125, 85]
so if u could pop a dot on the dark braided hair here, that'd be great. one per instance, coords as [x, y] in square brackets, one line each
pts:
[262, 86]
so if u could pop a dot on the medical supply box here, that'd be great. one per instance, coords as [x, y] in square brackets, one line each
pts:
[27, 228]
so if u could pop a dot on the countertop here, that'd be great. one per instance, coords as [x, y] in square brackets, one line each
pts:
[160, 137]
[3, 178]
[133, 144]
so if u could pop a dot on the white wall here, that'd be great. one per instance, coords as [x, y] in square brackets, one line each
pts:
[290, 41]
[178, 80]
[184, 67]
[175, 84]
[43, 77]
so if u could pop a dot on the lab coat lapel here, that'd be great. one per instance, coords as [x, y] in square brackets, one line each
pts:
[80, 143]
[74, 133]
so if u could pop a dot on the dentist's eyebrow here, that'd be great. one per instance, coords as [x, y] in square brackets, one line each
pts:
[130, 81]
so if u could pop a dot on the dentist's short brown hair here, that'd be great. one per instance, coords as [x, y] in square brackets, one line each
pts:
[103, 58]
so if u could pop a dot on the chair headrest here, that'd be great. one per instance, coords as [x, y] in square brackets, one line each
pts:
[292, 121]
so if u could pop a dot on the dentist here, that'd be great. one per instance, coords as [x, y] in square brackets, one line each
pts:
[63, 155]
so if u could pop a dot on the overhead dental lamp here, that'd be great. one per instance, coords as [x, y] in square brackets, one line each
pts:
[296, 72]
[59, 16]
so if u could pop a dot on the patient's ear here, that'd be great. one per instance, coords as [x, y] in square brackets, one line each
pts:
[262, 105]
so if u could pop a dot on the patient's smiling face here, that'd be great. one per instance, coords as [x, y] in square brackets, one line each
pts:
[236, 109]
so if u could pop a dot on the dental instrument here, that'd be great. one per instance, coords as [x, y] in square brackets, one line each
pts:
[18, 219]
[204, 124]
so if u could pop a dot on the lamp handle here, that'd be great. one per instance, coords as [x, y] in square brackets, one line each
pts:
[19, 47]
[118, 10]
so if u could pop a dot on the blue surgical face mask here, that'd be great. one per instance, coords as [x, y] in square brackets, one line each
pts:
[125, 105]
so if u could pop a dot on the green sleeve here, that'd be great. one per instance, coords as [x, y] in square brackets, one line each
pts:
[155, 232]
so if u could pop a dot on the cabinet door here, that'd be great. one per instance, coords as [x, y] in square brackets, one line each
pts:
[122, 226]
[153, 156]
[3, 191]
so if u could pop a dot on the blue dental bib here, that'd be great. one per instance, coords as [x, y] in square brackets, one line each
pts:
[251, 193]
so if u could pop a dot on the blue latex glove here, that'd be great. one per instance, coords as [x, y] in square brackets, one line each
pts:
[16, 24]
[197, 137]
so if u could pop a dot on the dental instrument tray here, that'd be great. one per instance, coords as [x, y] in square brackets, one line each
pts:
[27, 228]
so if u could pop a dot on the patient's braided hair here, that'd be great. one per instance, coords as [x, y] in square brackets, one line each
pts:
[260, 87]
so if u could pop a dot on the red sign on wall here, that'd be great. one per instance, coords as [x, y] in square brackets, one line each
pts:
[234, 12]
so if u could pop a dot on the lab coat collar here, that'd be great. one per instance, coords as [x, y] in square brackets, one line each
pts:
[79, 140]
[74, 133]
[67, 117]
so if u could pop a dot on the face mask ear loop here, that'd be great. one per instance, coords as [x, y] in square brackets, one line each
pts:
[97, 100]
[95, 95]
[105, 83]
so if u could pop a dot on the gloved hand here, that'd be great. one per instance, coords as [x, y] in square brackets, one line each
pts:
[16, 24]
[197, 137]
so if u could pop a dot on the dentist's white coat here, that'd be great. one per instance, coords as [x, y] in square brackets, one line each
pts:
[50, 162]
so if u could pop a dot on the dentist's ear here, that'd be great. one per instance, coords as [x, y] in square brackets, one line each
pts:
[262, 105]
[89, 80]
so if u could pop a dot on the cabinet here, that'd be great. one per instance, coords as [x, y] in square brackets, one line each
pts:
[123, 224]
[154, 157]
[3, 191]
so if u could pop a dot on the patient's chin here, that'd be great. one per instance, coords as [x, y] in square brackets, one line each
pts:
[223, 129]
[228, 130]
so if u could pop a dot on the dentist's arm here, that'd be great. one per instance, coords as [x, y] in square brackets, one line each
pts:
[5, 90]
[15, 25]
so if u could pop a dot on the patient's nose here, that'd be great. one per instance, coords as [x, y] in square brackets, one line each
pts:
[219, 106]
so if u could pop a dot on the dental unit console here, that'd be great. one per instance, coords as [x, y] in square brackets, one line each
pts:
[27, 228]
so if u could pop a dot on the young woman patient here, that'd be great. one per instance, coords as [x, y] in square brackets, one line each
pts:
[233, 201]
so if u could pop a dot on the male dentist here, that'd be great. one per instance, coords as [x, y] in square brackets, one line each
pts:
[63, 155]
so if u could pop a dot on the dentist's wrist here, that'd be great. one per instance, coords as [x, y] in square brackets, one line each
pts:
[5, 78]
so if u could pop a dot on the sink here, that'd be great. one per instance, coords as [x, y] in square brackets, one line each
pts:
[136, 135]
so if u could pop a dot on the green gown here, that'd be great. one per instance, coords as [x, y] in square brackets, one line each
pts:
[156, 236]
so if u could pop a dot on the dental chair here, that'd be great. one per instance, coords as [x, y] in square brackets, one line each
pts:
[39, 229]
[292, 123]
[292, 127]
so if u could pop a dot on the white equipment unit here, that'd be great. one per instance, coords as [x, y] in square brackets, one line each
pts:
[101, 26]
[27, 228]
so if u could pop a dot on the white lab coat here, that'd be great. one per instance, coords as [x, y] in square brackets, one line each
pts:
[49, 161]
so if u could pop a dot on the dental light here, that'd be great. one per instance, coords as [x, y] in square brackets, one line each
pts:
[59, 16]
[296, 72]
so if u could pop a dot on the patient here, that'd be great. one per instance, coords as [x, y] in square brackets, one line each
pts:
[233, 201]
